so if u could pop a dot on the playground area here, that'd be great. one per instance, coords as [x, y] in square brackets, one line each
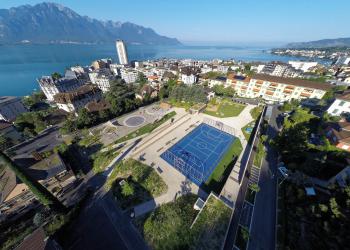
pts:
[119, 127]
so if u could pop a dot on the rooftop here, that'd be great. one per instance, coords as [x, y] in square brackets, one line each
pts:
[6, 99]
[345, 96]
[293, 81]
[4, 124]
[79, 93]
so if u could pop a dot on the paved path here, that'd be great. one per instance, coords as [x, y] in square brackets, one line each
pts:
[231, 188]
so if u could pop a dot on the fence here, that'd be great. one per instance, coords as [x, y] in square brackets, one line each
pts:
[220, 125]
[188, 164]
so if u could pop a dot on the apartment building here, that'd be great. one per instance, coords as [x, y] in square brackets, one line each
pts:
[101, 63]
[77, 99]
[303, 66]
[10, 108]
[279, 69]
[102, 78]
[129, 75]
[276, 89]
[51, 86]
[341, 105]
[189, 75]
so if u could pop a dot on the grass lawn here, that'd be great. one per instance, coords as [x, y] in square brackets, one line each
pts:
[102, 159]
[225, 108]
[168, 227]
[88, 140]
[147, 128]
[185, 105]
[142, 183]
[210, 227]
[242, 238]
[223, 169]
[260, 154]
[255, 112]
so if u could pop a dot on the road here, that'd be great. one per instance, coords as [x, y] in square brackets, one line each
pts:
[263, 227]
[259, 224]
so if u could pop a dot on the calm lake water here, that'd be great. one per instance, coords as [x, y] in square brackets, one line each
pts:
[21, 65]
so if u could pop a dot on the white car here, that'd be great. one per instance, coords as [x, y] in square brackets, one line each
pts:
[283, 171]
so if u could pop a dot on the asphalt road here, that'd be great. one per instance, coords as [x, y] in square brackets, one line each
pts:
[263, 227]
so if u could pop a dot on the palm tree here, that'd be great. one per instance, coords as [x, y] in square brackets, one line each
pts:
[43, 195]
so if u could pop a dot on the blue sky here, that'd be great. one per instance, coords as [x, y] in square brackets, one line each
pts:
[223, 21]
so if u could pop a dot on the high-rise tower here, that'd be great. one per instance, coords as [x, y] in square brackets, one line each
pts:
[122, 52]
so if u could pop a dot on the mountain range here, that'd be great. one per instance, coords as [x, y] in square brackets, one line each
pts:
[54, 23]
[324, 43]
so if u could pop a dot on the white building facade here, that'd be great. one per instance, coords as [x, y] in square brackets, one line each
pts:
[276, 89]
[122, 52]
[51, 87]
[341, 105]
[75, 100]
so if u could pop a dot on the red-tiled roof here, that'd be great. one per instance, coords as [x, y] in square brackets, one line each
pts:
[293, 81]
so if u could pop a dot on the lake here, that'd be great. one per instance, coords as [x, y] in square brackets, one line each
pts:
[21, 65]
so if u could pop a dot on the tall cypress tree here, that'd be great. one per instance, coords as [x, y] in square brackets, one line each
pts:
[43, 195]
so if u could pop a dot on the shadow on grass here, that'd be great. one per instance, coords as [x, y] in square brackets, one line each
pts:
[138, 196]
[216, 186]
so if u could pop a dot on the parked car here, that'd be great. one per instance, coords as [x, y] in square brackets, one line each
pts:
[283, 171]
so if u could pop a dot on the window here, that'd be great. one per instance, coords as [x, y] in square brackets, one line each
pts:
[335, 111]
[341, 103]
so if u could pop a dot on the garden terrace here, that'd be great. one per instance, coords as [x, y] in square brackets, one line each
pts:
[133, 183]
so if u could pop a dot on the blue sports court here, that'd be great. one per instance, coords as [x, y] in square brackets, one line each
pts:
[199, 152]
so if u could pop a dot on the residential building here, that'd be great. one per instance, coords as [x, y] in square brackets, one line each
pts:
[9, 131]
[303, 66]
[77, 99]
[51, 86]
[10, 108]
[278, 69]
[129, 75]
[138, 65]
[222, 68]
[102, 78]
[341, 105]
[343, 60]
[38, 240]
[276, 89]
[189, 75]
[101, 64]
[339, 135]
[122, 52]
[220, 80]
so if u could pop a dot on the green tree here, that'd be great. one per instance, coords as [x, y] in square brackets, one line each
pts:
[56, 75]
[68, 126]
[254, 187]
[33, 99]
[43, 195]
[141, 79]
[335, 208]
[128, 189]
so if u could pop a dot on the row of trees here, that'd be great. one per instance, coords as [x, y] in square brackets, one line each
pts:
[191, 94]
